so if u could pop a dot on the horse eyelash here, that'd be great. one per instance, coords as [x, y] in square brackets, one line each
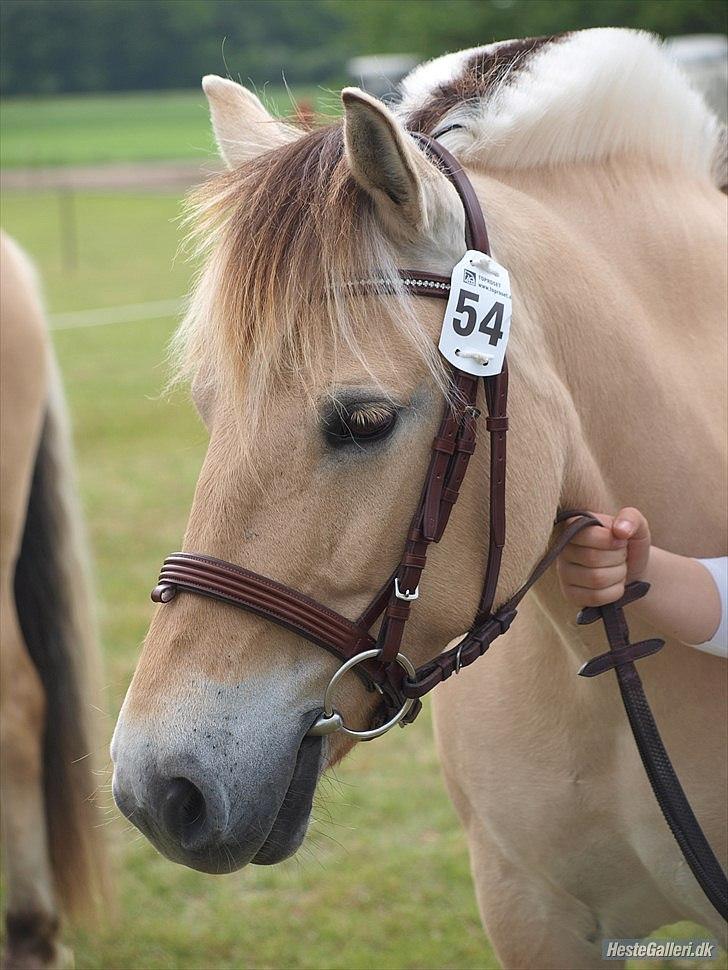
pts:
[373, 414]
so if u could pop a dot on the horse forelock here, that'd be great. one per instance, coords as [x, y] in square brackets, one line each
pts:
[282, 239]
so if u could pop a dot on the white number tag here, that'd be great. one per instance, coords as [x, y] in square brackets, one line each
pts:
[478, 316]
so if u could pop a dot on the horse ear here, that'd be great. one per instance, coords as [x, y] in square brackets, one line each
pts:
[243, 127]
[383, 159]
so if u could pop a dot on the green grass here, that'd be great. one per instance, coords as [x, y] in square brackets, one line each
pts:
[84, 129]
[383, 881]
[123, 248]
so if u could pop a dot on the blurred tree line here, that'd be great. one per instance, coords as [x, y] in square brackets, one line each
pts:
[49, 46]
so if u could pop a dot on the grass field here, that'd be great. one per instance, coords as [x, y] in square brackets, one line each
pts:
[84, 129]
[383, 881]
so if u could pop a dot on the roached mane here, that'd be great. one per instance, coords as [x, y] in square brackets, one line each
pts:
[283, 237]
[577, 98]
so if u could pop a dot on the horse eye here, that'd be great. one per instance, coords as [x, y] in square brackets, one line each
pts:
[359, 423]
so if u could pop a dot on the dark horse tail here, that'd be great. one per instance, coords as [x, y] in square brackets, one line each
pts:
[53, 608]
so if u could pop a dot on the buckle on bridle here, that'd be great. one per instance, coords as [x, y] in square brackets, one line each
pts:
[406, 595]
[458, 655]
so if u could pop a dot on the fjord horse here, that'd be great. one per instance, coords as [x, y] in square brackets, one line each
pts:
[51, 844]
[597, 167]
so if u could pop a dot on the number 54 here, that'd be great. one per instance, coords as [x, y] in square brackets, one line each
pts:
[491, 324]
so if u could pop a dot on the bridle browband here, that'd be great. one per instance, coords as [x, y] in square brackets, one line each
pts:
[378, 659]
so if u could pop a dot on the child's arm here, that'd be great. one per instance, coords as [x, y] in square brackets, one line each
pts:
[683, 601]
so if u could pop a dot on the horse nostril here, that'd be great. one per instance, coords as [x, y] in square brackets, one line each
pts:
[184, 811]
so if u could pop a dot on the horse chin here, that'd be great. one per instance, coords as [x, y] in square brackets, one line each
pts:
[288, 826]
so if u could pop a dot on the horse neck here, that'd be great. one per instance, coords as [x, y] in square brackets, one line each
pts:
[605, 408]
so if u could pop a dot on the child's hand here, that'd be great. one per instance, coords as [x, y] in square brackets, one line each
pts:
[597, 564]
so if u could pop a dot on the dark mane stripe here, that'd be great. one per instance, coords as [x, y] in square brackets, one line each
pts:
[481, 75]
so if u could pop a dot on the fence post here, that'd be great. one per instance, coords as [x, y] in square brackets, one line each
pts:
[69, 229]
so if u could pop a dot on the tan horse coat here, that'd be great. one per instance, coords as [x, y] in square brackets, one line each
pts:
[545, 774]
[595, 167]
[53, 861]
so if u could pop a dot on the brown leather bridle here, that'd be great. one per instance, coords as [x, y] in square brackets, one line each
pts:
[379, 660]
[451, 449]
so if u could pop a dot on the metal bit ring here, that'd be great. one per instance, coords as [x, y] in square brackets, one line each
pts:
[331, 721]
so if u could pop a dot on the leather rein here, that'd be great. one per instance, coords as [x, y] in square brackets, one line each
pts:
[378, 658]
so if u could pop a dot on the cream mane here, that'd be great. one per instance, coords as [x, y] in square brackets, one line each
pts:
[576, 98]
[281, 239]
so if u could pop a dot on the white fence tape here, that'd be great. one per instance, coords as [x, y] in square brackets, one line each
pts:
[117, 314]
